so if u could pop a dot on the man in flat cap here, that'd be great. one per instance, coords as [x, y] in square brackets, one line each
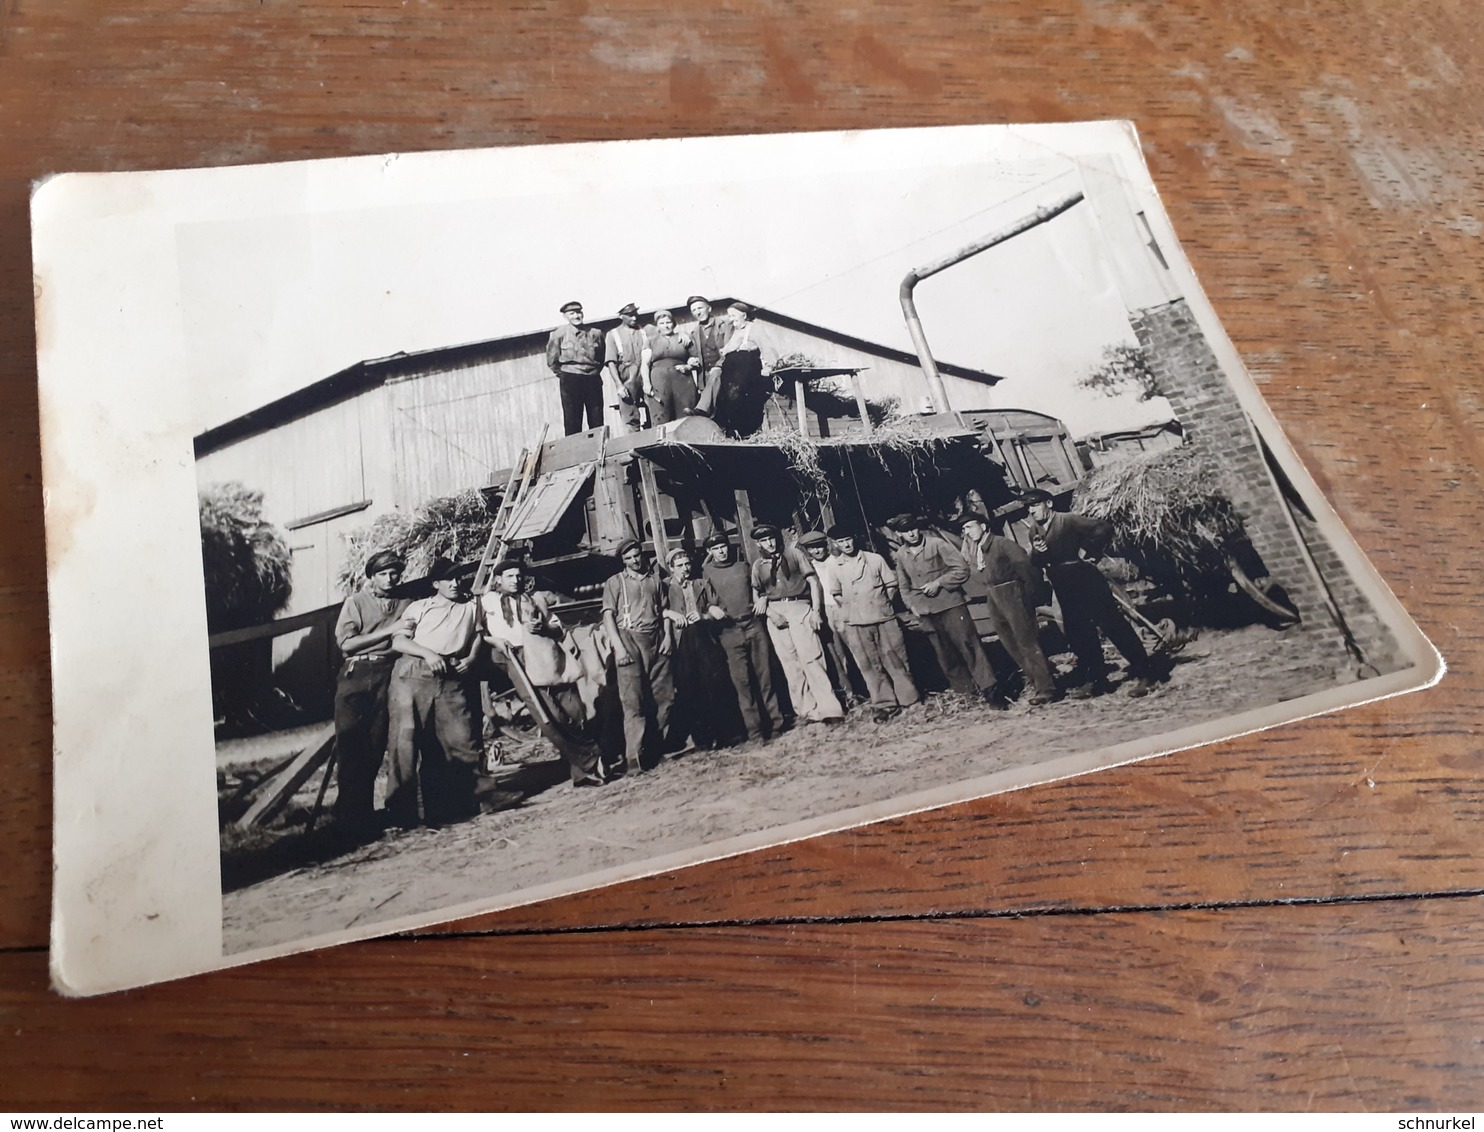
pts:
[623, 350]
[708, 333]
[1010, 583]
[701, 680]
[866, 590]
[575, 353]
[368, 620]
[790, 601]
[634, 604]
[521, 628]
[932, 576]
[744, 638]
[1067, 546]
[817, 547]
[436, 723]
[737, 385]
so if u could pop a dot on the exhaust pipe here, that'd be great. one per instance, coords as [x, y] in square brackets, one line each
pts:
[936, 391]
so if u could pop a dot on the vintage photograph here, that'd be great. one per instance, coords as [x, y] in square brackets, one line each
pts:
[719, 509]
[497, 524]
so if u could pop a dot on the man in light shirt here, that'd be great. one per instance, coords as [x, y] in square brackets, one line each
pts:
[865, 589]
[436, 741]
[623, 350]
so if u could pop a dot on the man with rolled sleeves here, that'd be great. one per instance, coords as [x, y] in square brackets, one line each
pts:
[743, 638]
[634, 604]
[789, 600]
[575, 353]
[865, 589]
[368, 620]
[1010, 583]
[709, 334]
[623, 350]
[1066, 545]
[436, 723]
[932, 575]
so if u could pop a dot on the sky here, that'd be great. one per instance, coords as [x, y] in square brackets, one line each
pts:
[272, 301]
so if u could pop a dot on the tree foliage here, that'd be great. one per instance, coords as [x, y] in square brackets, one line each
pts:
[247, 562]
[1123, 367]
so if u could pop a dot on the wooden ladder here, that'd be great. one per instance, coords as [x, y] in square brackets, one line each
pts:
[521, 477]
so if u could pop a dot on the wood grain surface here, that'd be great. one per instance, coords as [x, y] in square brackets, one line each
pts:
[1283, 921]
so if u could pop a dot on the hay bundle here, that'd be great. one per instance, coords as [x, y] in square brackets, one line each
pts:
[902, 434]
[246, 561]
[455, 526]
[1168, 511]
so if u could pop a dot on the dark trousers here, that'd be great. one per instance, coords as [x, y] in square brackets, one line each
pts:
[360, 733]
[581, 393]
[1087, 605]
[749, 659]
[960, 653]
[1014, 621]
[646, 689]
[435, 745]
[564, 705]
[880, 653]
[674, 397]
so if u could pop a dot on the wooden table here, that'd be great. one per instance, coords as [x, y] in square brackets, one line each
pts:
[1286, 921]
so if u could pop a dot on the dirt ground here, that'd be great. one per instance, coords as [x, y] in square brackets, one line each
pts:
[704, 797]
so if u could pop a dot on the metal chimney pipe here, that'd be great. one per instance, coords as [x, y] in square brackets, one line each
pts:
[936, 390]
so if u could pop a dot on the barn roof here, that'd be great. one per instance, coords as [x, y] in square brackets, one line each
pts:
[373, 372]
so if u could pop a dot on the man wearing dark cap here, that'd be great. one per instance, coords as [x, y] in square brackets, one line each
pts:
[744, 638]
[932, 576]
[789, 600]
[737, 386]
[1067, 545]
[709, 333]
[1010, 584]
[520, 627]
[866, 590]
[436, 739]
[634, 615]
[623, 350]
[368, 620]
[831, 635]
[574, 353]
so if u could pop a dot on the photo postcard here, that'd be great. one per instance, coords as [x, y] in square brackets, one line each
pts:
[434, 533]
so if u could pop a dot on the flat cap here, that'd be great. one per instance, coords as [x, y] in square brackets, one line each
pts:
[766, 530]
[574, 305]
[444, 568]
[384, 560]
[629, 544]
[717, 538]
[813, 538]
[1035, 495]
[904, 522]
[629, 308]
[739, 305]
[972, 517]
[839, 531]
[698, 299]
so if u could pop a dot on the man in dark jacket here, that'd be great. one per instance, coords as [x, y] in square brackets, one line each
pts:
[575, 353]
[1066, 545]
[932, 576]
[1010, 583]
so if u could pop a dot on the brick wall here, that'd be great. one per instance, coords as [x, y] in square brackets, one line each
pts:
[1189, 375]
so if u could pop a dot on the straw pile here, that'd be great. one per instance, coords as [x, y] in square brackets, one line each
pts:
[455, 526]
[1168, 511]
[902, 434]
[246, 561]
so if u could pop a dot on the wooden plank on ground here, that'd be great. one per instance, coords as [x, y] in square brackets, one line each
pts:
[275, 793]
